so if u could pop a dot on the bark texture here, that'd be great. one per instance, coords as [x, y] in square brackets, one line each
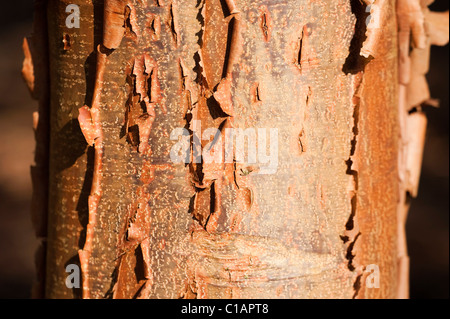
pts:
[419, 28]
[350, 132]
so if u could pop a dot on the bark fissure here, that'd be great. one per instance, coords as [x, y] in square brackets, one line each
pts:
[117, 16]
[356, 61]
[300, 48]
[173, 23]
[266, 23]
[151, 228]
[352, 230]
[91, 127]
[215, 95]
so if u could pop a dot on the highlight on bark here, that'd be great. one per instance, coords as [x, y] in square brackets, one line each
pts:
[351, 129]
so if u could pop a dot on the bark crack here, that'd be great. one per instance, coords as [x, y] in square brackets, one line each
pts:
[173, 24]
[352, 232]
[266, 23]
[355, 61]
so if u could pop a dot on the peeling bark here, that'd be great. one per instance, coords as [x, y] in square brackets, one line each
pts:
[350, 129]
[418, 30]
[35, 73]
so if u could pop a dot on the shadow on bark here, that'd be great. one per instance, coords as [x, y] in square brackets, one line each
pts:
[71, 137]
[355, 62]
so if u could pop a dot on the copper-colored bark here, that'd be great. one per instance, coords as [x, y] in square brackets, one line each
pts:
[141, 226]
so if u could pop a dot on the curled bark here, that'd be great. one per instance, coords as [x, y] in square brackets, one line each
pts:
[427, 28]
[141, 226]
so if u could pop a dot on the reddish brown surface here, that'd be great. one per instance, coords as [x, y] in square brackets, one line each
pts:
[239, 227]
[360, 197]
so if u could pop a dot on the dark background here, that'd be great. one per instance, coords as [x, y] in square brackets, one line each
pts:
[428, 231]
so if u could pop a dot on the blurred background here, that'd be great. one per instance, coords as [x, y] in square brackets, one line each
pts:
[427, 228]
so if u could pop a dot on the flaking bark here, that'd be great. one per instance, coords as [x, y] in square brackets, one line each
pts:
[350, 130]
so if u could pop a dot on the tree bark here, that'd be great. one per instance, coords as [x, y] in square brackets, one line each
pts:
[322, 73]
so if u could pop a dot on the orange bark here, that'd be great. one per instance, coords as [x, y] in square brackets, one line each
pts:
[324, 75]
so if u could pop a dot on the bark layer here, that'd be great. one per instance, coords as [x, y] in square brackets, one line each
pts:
[141, 226]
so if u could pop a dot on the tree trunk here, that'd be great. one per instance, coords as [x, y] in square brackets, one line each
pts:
[313, 82]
